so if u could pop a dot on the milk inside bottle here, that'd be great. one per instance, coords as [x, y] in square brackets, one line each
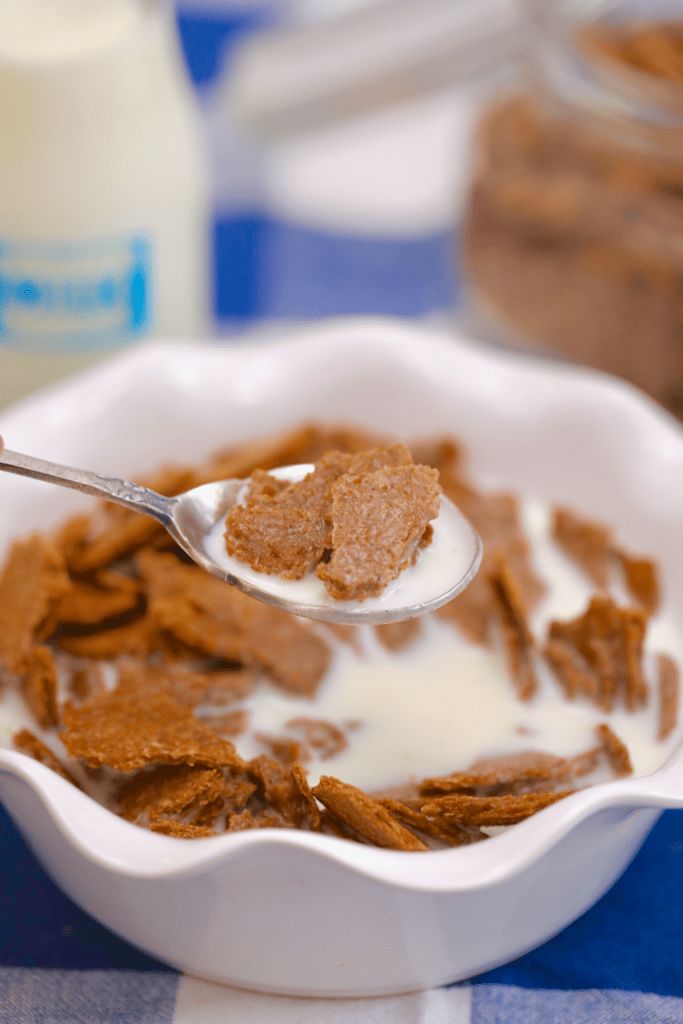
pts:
[103, 198]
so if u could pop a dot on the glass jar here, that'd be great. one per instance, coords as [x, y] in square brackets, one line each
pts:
[573, 241]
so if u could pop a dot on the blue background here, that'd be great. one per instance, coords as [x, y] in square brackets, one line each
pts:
[632, 938]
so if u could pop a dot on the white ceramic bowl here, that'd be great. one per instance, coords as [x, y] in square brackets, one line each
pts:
[304, 914]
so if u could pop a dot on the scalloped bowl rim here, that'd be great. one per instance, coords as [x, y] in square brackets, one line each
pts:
[454, 870]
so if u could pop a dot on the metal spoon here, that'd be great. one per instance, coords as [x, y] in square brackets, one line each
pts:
[196, 519]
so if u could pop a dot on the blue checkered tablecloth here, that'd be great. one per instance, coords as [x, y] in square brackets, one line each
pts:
[622, 961]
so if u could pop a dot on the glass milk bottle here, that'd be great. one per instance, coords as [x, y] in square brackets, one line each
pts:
[103, 198]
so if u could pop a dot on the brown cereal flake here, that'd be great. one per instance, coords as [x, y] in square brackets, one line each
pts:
[285, 790]
[384, 457]
[118, 538]
[331, 826]
[117, 533]
[506, 809]
[229, 723]
[406, 793]
[264, 485]
[518, 552]
[163, 792]
[320, 737]
[302, 444]
[200, 611]
[668, 686]
[127, 731]
[642, 580]
[210, 814]
[235, 794]
[181, 829]
[570, 670]
[283, 529]
[282, 748]
[163, 542]
[215, 619]
[471, 611]
[516, 635]
[136, 638]
[237, 791]
[214, 689]
[442, 453]
[33, 580]
[496, 515]
[615, 749]
[397, 635]
[72, 536]
[608, 641]
[378, 519]
[28, 744]
[653, 47]
[585, 762]
[496, 518]
[169, 481]
[278, 539]
[39, 686]
[261, 819]
[365, 816]
[91, 602]
[343, 633]
[342, 438]
[293, 654]
[308, 808]
[449, 834]
[585, 542]
[508, 770]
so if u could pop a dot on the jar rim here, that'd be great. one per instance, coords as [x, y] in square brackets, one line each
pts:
[641, 112]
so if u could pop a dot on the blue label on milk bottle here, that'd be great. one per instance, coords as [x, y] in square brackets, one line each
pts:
[72, 296]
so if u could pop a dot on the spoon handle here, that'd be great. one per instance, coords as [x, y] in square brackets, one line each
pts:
[123, 492]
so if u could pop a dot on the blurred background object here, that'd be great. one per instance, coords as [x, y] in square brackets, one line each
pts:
[368, 54]
[104, 213]
[574, 240]
[345, 181]
[340, 136]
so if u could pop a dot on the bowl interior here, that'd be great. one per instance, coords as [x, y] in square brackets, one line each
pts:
[542, 428]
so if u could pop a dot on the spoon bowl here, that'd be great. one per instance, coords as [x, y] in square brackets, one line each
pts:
[442, 570]
[196, 521]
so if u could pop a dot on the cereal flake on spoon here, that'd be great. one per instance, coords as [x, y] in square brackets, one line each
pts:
[356, 521]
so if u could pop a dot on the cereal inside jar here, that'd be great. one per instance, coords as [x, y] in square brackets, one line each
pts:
[574, 235]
